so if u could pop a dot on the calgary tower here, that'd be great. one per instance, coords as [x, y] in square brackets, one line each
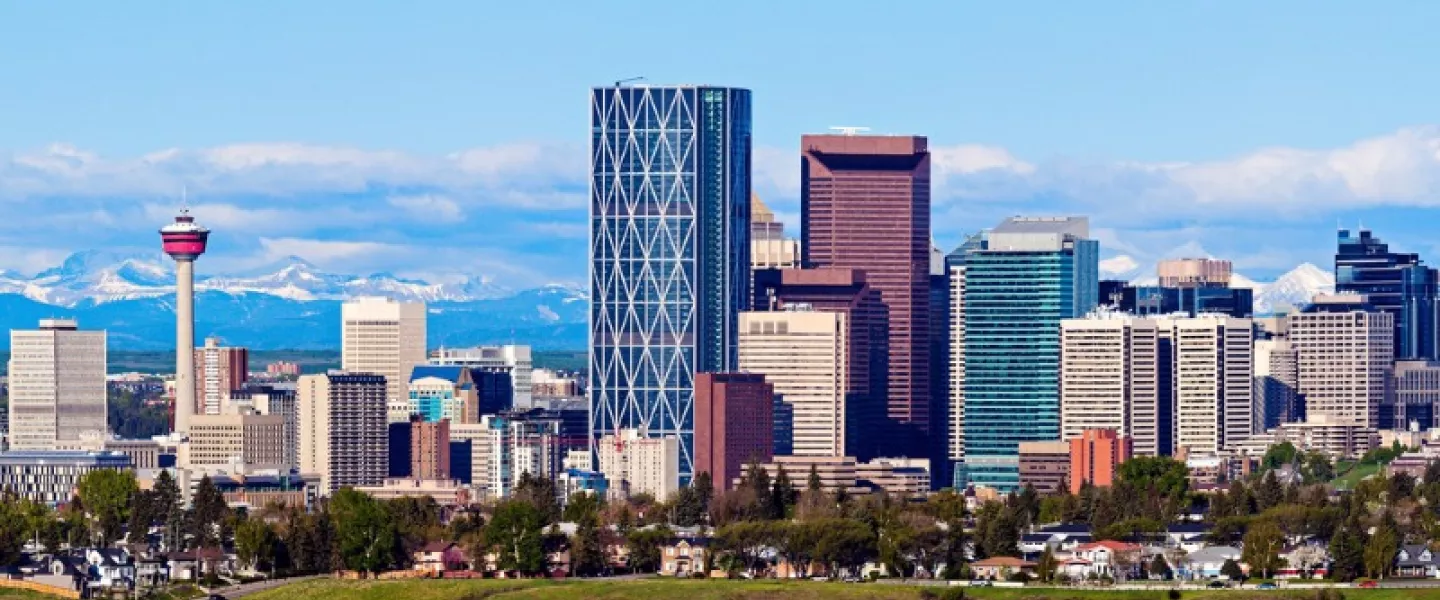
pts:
[184, 241]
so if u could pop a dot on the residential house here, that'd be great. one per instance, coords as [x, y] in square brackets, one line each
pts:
[1001, 567]
[1059, 538]
[683, 557]
[194, 564]
[1417, 561]
[436, 558]
[1189, 537]
[109, 569]
[1109, 558]
[1205, 563]
[64, 571]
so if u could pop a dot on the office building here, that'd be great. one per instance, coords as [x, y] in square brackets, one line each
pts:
[1394, 283]
[670, 252]
[769, 248]
[783, 428]
[734, 424]
[506, 447]
[1276, 381]
[1045, 466]
[236, 443]
[387, 338]
[399, 445]
[861, 337]
[803, 356]
[835, 472]
[1413, 405]
[144, 454]
[635, 464]
[219, 371]
[1212, 358]
[955, 329]
[1032, 274]
[1345, 349]
[343, 435]
[1194, 272]
[901, 477]
[1110, 376]
[509, 359]
[448, 494]
[52, 477]
[1095, 457]
[460, 394]
[865, 204]
[276, 400]
[1193, 301]
[57, 387]
[429, 448]
[546, 383]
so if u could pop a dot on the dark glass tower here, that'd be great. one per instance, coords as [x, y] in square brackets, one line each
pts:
[1394, 283]
[669, 251]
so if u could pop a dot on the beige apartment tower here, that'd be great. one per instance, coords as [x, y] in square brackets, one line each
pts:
[640, 464]
[1210, 370]
[1110, 376]
[57, 387]
[219, 370]
[387, 338]
[804, 355]
[343, 430]
[1345, 349]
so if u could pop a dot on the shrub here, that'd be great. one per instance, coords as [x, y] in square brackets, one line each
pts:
[947, 593]
[1173, 594]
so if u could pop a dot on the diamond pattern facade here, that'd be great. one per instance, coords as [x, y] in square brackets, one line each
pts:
[670, 252]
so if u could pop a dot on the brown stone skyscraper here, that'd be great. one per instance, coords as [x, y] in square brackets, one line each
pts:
[865, 204]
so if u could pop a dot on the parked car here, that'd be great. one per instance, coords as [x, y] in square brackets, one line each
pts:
[1265, 586]
[981, 583]
[1369, 584]
[1217, 584]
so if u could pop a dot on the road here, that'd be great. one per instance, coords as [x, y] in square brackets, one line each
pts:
[245, 589]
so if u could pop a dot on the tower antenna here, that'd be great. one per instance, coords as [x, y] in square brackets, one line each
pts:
[620, 82]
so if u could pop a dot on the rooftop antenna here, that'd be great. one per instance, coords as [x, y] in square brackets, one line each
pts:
[620, 82]
[848, 130]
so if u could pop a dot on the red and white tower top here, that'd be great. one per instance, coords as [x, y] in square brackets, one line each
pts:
[184, 239]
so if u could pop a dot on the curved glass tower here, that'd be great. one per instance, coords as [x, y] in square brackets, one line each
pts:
[669, 251]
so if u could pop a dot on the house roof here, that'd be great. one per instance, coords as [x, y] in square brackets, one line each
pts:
[1413, 552]
[1187, 528]
[434, 547]
[449, 373]
[1002, 561]
[1067, 528]
[1213, 554]
[1078, 561]
[1110, 545]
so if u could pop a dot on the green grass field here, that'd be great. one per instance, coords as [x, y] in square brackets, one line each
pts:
[1355, 474]
[670, 589]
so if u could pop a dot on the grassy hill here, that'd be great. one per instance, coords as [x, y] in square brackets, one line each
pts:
[669, 589]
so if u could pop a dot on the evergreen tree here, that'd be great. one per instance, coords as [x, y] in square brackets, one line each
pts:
[1232, 571]
[1347, 552]
[1046, 565]
[1159, 568]
[206, 512]
[813, 484]
[782, 495]
[1269, 494]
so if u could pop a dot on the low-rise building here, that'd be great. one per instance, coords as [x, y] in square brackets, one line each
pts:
[1045, 465]
[1000, 568]
[683, 557]
[50, 476]
[448, 493]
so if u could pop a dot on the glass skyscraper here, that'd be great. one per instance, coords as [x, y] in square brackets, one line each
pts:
[1394, 283]
[669, 251]
[1031, 273]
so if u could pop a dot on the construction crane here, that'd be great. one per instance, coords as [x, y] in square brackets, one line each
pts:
[620, 82]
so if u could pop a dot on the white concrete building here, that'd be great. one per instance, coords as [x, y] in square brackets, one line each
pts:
[57, 387]
[384, 337]
[636, 464]
[1345, 351]
[512, 359]
[343, 435]
[1110, 373]
[236, 443]
[1276, 381]
[805, 356]
[1211, 369]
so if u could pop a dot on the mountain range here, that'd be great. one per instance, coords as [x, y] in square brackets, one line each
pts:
[291, 304]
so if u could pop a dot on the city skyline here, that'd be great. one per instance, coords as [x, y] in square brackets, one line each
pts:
[1249, 160]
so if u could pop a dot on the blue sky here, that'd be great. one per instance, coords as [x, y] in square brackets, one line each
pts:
[439, 139]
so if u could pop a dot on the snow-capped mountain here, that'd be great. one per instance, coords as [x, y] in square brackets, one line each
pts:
[101, 277]
[1293, 289]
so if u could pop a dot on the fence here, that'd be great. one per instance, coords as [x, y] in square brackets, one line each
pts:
[21, 584]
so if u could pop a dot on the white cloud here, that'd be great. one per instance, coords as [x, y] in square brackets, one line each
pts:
[323, 252]
[428, 207]
[1118, 265]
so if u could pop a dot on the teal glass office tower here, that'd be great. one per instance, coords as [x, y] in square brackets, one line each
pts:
[1032, 273]
[669, 252]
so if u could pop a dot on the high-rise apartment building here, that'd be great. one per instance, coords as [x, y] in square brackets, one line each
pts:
[865, 204]
[1345, 348]
[769, 248]
[57, 387]
[955, 329]
[1395, 283]
[1276, 381]
[669, 252]
[1415, 404]
[387, 338]
[511, 360]
[1110, 378]
[734, 424]
[343, 435]
[638, 464]
[1095, 457]
[219, 370]
[429, 448]
[1211, 369]
[804, 356]
[1031, 274]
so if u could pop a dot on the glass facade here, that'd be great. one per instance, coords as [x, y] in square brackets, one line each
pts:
[1160, 301]
[670, 251]
[1014, 301]
[1392, 282]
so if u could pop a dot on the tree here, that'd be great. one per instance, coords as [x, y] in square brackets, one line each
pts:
[207, 511]
[1232, 571]
[417, 521]
[255, 543]
[1347, 553]
[845, 545]
[1317, 468]
[144, 511]
[783, 495]
[1269, 493]
[644, 546]
[1167, 476]
[1279, 455]
[587, 552]
[692, 504]
[106, 495]
[1306, 558]
[1379, 554]
[168, 509]
[797, 541]
[540, 493]
[12, 529]
[309, 539]
[1047, 564]
[1263, 543]
[1159, 569]
[515, 533]
[996, 531]
[366, 533]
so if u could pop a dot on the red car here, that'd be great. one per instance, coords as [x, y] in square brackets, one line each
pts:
[1369, 584]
